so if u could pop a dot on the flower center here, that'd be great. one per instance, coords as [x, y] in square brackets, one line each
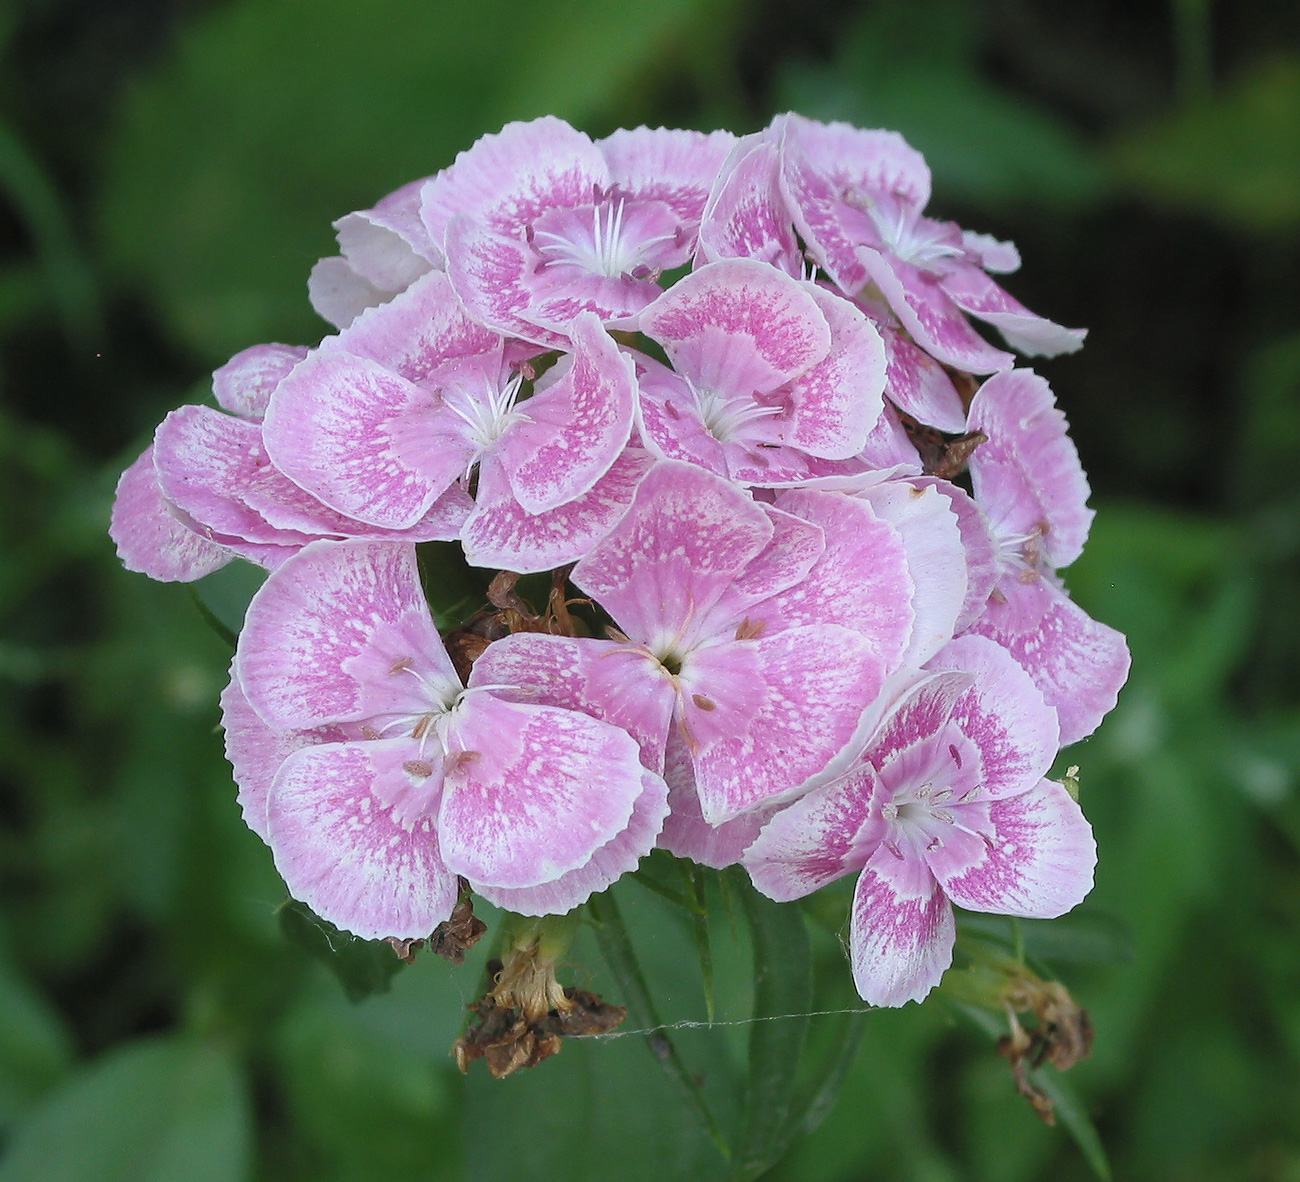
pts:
[487, 414]
[924, 816]
[725, 415]
[596, 238]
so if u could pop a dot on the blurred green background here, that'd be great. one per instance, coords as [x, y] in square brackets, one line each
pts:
[168, 173]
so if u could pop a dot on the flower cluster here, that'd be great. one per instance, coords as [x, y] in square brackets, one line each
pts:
[726, 389]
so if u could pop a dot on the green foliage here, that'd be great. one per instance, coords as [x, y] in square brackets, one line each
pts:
[362, 967]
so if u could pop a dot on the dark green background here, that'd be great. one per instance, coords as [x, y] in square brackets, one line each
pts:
[168, 173]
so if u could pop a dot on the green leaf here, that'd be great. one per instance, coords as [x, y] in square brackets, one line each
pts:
[1070, 1111]
[363, 967]
[34, 1046]
[166, 1110]
[782, 1001]
[275, 117]
[620, 956]
[824, 1091]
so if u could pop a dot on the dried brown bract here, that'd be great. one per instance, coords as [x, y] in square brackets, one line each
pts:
[460, 931]
[1062, 1035]
[942, 455]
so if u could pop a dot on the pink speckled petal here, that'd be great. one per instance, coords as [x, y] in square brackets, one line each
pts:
[330, 635]
[501, 535]
[153, 539]
[1027, 478]
[1078, 663]
[676, 550]
[738, 327]
[571, 433]
[1003, 714]
[821, 837]
[363, 439]
[981, 549]
[786, 561]
[905, 747]
[669, 423]
[338, 294]
[917, 384]
[686, 833]
[244, 384]
[746, 216]
[663, 164]
[902, 930]
[929, 314]
[888, 447]
[974, 292]
[416, 332]
[861, 579]
[1037, 862]
[762, 717]
[532, 792]
[611, 682]
[352, 832]
[506, 180]
[605, 867]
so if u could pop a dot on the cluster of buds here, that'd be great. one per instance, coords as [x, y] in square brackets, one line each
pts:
[727, 393]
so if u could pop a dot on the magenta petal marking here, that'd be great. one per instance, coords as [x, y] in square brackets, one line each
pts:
[1027, 477]
[501, 535]
[902, 932]
[1038, 860]
[860, 581]
[1003, 714]
[746, 215]
[835, 404]
[918, 385]
[930, 315]
[686, 833]
[738, 327]
[569, 435]
[151, 538]
[352, 841]
[974, 292]
[256, 751]
[330, 635]
[903, 748]
[506, 180]
[785, 707]
[532, 792]
[820, 837]
[606, 866]
[613, 683]
[1078, 663]
[364, 440]
[416, 331]
[674, 553]
[338, 294]
[245, 383]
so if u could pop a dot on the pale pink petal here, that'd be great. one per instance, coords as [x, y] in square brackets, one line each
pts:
[982, 566]
[676, 550]
[338, 294]
[738, 326]
[614, 683]
[784, 563]
[151, 538]
[746, 216]
[606, 866]
[416, 332]
[256, 751]
[388, 245]
[937, 324]
[508, 179]
[902, 932]
[668, 420]
[820, 837]
[686, 833]
[245, 383]
[333, 635]
[974, 292]
[936, 561]
[835, 404]
[663, 164]
[917, 384]
[1078, 663]
[532, 792]
[570, 435]
[364, 440]
[501, 535]
[1027, 478]
[1037, 863]
[999, 257]
[349, 844]
[889, 448]
[1003, 714]
[762, 717]
[861, 579]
